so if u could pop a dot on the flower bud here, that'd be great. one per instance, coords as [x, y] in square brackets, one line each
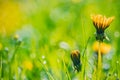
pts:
[75, 57]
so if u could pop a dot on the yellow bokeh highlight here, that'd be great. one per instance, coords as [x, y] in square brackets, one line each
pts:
[10, 17]
[104, 48]
[27, 65]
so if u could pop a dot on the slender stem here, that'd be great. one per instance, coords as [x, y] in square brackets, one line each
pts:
[11, 61]
[84, 55]
[15, 51]
[99, 62]
[85, 59]
[67, 73]
[86, 46]
[46, 70]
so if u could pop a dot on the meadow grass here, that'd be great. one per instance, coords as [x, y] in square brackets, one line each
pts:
[37, 38]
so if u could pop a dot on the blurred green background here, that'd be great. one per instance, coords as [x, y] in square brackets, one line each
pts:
[37, 37]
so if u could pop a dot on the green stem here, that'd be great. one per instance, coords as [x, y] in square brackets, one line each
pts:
[68, 75]
[86, 46]
[46, 70]
[11, 60]
[99, 62]
[85, 59]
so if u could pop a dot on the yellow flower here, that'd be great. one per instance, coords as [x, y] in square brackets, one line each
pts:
[101, 23]
[27, 65]
[104, 48]
[75, 57]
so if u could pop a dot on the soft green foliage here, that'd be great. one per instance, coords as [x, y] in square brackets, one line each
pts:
[47, 33]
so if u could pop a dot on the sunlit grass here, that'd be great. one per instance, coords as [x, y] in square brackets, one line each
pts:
[37, 38]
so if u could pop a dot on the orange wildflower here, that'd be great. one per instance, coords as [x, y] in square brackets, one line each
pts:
[101, 23]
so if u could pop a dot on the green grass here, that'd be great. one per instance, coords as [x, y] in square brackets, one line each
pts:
[48, 31]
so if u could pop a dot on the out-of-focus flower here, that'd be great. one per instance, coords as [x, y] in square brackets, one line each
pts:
[75, 57]
[64, 45]
[17, 39]
[16, 36]
[104, 48]
[6, 49]
[27, 65]
[0, 46]
[101, 23]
